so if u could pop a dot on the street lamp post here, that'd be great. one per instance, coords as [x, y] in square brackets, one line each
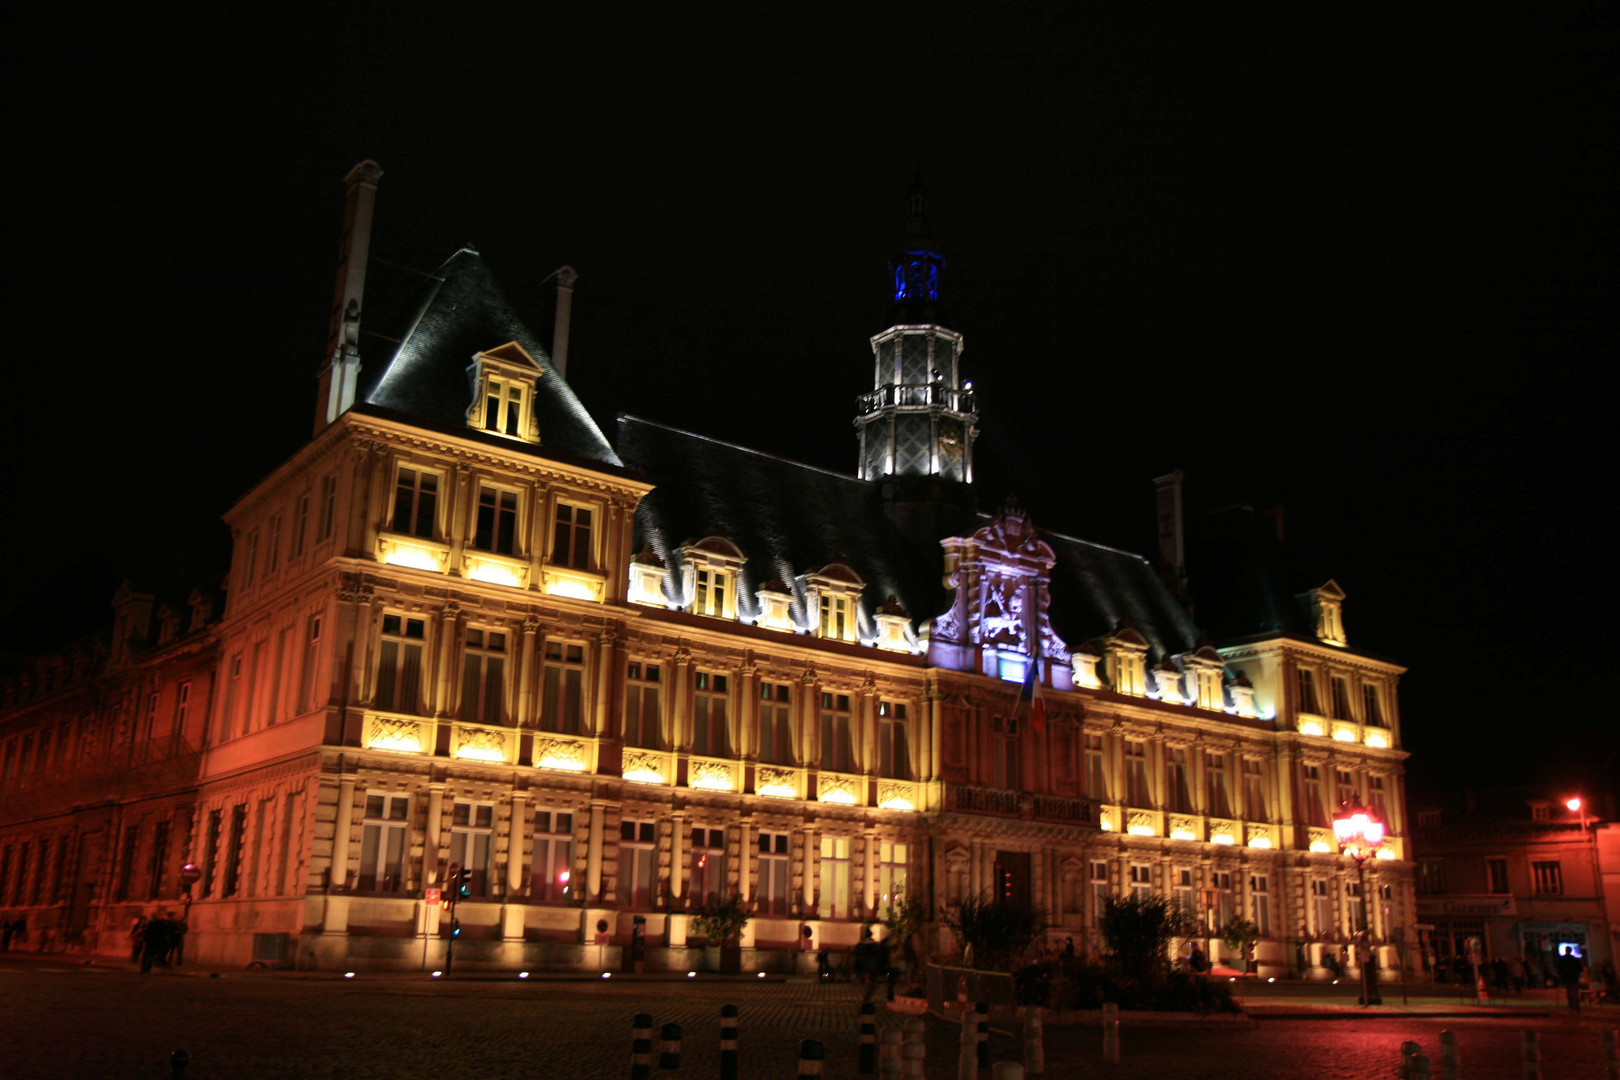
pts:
[1360, 833]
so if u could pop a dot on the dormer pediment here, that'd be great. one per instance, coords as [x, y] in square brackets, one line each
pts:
[1327, 604]
[503, 386]
[833, 593]
[710, 571]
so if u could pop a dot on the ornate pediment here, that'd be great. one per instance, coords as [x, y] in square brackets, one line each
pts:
[1002, 577]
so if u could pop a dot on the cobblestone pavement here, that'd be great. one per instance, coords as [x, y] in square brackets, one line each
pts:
[121, 1026]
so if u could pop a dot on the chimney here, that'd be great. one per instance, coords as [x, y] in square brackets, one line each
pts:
[340, 370]
[1172, 549]
[566, 277]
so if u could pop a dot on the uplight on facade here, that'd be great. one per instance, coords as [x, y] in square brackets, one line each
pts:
[495, 574]
[714, 783]
[480, 753]
[413, 557]
[839, 796]
[897, 802]
[1310, 727]
[565, 764]
[1386, 853]
[401, 742]
[1320, 846]
[1343, 734]
[574, 590]
[644, 776]
[1260, 841]
[778, 791]
[1221, 838]
[1182, 834]
[1141, 830]
[1377, 740]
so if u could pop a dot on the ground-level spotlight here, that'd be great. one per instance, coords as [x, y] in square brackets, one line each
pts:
[1272, 979]
[691, 974]
[348, 974]
[1233, 979]
[523, 974]
[607, 974]
[436, 974]
[762, 974]
[1335, 982]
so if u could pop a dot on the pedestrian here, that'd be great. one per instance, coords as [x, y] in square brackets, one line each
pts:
[823, 965]
[137, 932]
[154, 943]
[1197, 960]
[177, 942]
[5, 936]
[1570, 969]
[1606, 974]
[1068, 948]
[1515, 970]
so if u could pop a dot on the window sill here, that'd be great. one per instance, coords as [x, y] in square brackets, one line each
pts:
[415, 552]
[577, 584]
[495, 569]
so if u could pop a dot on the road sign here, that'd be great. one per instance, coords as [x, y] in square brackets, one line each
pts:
[432, 897]
[189, 874]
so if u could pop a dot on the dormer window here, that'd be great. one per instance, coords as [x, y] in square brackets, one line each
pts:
[503, 382]
[711, 569]
[835, 590]
[1127, 662]
[835, 617]
[1329, 603]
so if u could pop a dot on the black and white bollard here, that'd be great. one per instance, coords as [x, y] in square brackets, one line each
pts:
[811, 1056]
[1450, 1064]
[1007, 1070]
[1611, 1054]
[1530, 1054]
[669, 1048]
[967, 1064]
[889, 1053]
[1034, 1042]
[913, 1052]
[981, 1034]
[1409, 1050]
[177, 1065]
[641, 1047]
[728, 1042]
[867, 1065]
[1420, 1067]
[1110, 1013]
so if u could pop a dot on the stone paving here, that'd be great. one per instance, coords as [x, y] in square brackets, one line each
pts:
[61, 1021]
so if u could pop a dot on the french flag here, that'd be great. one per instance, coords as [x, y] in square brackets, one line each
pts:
[1031, 692]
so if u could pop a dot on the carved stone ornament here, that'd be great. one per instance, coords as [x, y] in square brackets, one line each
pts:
[481, 741]
[392, 730]
[769, 777]
[643, 761]
[892, 790]
[560, 753]
[957, 858]
[1139, 820]
[709, 774]
[837, 785]
[1182, 824]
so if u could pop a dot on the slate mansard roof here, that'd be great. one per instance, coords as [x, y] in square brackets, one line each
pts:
[789, 518]
[462, 311]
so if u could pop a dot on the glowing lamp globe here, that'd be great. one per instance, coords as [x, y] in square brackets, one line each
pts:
[1358, 828]
[1574, 804]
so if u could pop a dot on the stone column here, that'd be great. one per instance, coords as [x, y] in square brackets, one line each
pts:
[460, 498]
[449, 635]
[809, 730]
[746, 744]
[593, 854]
[681, 738]
[342, 826]
[975, 867]
[677, 836]
[871, 845]
[517, 833]
[430, 842]
[607, 665]
[745, 883]
[812, 851]
[525, 693]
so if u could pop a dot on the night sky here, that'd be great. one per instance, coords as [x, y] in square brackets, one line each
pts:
[1361, 265]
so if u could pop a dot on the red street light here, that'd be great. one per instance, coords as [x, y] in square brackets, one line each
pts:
[1574, 804]
[1360, 832]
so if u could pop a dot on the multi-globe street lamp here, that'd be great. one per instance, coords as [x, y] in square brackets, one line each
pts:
[1360, 832]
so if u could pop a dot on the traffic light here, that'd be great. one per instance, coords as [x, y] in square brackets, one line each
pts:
[1006, 885]
[464, 884]
[455, 927]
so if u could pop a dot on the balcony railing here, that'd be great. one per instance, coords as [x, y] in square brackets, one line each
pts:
[921, 397]
[982, 800]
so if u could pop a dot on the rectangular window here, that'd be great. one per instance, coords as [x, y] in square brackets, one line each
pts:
[637, 852]
[36, 888]
[1375, 795]
[775, 849]
[503, 407]
[1219, 803]
[210, 879]
[483, 679]
[834, 877]
[1099, 892]
[383, 844]
[1496, 875]
[497, 521]
[1004, 766]
[1136, 773]
[642, 696]
[1353, 912]
[300, 524]
[710, 597]
[1220, 908]
[1185, 907]
[158, 862]
[399, 665]
[309, 683]
[1372, 707]
[1175, 774]
[1254, 791]
[233, 851]
[892, 874]
[1307, 691]
[1345, 784]
[472, 829]
[328, 506]
[126, 862]
[1096, 768]
[894, 751]
[1141, 880]
[571, 540]
[835, 618]
[289, 804]
[16, 894]
[1431, 877]
[6, 876]
[1315, 811]
[250, 557]
[836, 752]
[709, 715]
[416, 502]
[273, 552]
[707, 880]
[1341, 698]
[562, 688]
[551, 874]
[1260, 900]
[1547, 878]
[233, 698]
[1321, 908]
[775, 724]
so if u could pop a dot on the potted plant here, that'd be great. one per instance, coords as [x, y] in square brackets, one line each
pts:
[1240, 937]
[720, 923]
[905, 918]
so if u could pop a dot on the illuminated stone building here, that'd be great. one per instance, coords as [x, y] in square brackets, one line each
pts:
[619, 679]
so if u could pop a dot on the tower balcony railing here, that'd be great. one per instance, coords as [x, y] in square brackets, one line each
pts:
[922, 396]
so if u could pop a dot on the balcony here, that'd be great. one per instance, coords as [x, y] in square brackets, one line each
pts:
[930, 395]
[982, 800]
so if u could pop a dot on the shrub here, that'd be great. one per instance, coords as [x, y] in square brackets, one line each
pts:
[1071, 983]
[721, 921]
[1138, 931]
[999, 933]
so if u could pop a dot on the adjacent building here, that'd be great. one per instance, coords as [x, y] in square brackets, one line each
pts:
[617, 679]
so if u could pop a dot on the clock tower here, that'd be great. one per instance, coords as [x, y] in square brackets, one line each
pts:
[919, 420]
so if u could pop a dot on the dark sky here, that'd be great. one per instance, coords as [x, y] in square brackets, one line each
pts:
[1358, 264]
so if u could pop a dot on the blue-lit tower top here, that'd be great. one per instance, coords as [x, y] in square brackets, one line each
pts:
[919, 421]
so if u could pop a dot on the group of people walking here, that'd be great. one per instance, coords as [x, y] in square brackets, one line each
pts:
[158, 940]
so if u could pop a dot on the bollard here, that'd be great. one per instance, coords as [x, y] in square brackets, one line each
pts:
[177, 1065]
[1450, 1065]
[967, 1064]
[669, 1048]
[728, 1042]
[1034, 1042]
[1110, 1033]
[867, 1064]
[889, 1053]
[1530, 1054]
[811, 1055]
[981, 1034]
[913, 1052]
[1007, 1070]
[1611, 1054]
[1420, 1067]
[1409, 1050]
[641, 1048]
